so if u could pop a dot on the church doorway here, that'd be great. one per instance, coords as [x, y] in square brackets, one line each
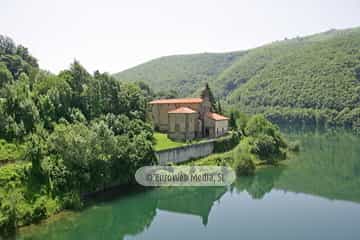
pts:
[207, 132]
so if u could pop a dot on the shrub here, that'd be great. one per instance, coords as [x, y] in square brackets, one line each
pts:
[7, 221]
[294, 146]
[264, 139]
[223, 161]
[259, 125]
[39, 211]
[227, 143]
[264, 146]
[72, 200]
[244, 165]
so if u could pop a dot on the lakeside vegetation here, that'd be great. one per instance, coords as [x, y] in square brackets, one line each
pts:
[70, 134]
[261, 143]
[312, 80]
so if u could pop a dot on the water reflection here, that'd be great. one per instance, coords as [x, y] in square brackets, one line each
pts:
[328, 166]
[129, 215]
[196, 201]
[260, 184]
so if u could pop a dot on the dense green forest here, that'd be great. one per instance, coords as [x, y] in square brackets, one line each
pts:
[182, 73]
[313, 80]
[64, 135]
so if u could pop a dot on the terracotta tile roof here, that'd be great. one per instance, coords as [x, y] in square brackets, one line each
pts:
[177, 100]
[216, 117]
[182, 110]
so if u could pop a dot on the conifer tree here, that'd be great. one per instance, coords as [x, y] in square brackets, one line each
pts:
[232, 121]
[207, 92]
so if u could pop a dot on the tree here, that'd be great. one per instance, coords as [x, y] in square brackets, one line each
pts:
[219, 108]
[7, 45]
[23, 52]
[147, 91]
[54, 97]
[208, 93]
[19, 105]
[232, 121]
[35, 151]
[10, 212]
[5, 76]
[71, 144]
[79, 75]
[78, 78]
[265, 139]
[243, 164]
[103, 149]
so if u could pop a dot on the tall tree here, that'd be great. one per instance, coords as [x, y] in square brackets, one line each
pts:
[232, 121]
[219, 107]
[208, 93]
[7, 45]
[5, 75]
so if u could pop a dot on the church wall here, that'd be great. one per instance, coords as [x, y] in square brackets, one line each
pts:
[182, 126]
[221, 127]
[160, 114]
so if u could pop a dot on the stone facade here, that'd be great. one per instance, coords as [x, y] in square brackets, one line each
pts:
[160, 112]
[215, 125]
[183, 125]
[188, 118]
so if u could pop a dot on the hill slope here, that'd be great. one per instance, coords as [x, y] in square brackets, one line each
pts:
[184, 73]
[305, 73]
[312, 80]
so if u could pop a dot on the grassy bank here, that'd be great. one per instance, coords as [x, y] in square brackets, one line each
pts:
[162, 141]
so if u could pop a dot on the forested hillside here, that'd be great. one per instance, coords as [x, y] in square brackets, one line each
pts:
[316, 81]
[312, 80]
[183, 73]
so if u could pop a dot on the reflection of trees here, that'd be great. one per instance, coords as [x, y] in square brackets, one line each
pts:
[126, 216]
[328, 166]
[129, 215]
[260, 184]
[242, 183]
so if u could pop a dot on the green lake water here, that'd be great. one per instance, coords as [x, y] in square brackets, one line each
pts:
[315, 195]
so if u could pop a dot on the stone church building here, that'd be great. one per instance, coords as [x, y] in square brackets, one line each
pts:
[188, 118]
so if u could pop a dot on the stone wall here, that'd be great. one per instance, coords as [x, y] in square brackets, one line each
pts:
[185, 153]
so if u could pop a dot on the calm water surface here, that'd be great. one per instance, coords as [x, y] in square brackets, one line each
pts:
[316, 195]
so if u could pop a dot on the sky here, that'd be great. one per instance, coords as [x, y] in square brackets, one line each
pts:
[113, 35]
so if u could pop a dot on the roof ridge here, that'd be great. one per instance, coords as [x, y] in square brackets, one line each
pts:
[176, 100]
[216, 116]
[182, 110]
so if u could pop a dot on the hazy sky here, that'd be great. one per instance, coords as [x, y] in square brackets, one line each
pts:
[115, 35]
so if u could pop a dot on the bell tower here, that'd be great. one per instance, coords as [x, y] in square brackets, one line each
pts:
[206, 96]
